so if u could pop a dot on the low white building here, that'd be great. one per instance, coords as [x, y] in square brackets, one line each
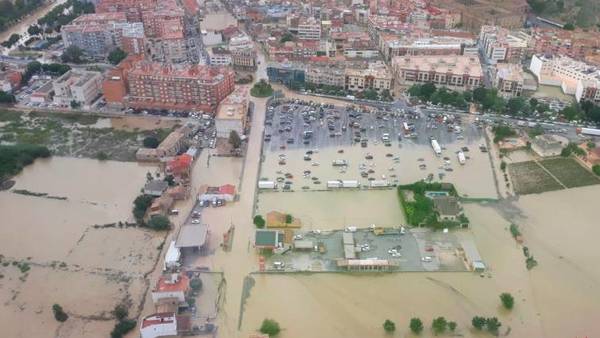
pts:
[79, 86]
[211, 38]
[170, 287]
[159, 325]
[232, 113]
[225, 192]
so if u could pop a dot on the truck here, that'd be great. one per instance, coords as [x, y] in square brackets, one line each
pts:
[378, 184]
[436, 147]
[335, 184]
[339, 163]
[588, 131]
[461, 157]
[266, 185]
[350, 184]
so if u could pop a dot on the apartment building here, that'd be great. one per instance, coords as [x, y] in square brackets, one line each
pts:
[218, 56]
[309, 29]
[509, 79]
[82, 87]
[170, 86]
[572, 76]
[326, 76]
[96, 34]
[244, 59]
[132, 8]
[240, 42]
[232, 113]
[393, 45]
[455, 72]
[498, 44]
[376, 76]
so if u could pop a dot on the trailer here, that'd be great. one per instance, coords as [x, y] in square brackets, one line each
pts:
[461, 157]
[266, 185]
[350, 184]
[589, 131]
[379, 184]
[335, 184]
[436, 147]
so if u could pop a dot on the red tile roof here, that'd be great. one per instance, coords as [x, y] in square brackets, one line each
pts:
[164, 283]
[158, 318]
[228, 189]
[180, 164]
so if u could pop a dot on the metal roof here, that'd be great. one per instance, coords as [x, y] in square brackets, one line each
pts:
[192, 235]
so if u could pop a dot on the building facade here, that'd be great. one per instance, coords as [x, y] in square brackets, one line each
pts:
[509, 79]
[82, 87]
[455, 72]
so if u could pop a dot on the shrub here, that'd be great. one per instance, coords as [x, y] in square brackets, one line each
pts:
[439, 325]
[140, 205]
[288, 218]
[270, 327]
[121, 312]
[159, 222]
[452, 326]
[59, 314]
[150, 142]
[478, 322]
[259, 221]
[493, 325]
[196, 284]
[389, 326]
[122, 328]
[507, 300]
[596, 169]
[416, 325]
[102, 156]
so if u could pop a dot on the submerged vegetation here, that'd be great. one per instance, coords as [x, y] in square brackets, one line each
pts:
[13, 158]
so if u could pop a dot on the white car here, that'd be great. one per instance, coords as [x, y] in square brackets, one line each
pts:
[195, 221]
[427, 259]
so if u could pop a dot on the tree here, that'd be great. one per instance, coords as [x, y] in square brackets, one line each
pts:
[170, 179]
[439, 325]
[389, 326]
[121, 312]
[59, 314]
[261, 89]
[34, 30]
[116, 56]
[196, 284]
[478, 322]
[503, 166]
[234, 139]
[452, 326]
[159, 222]
[569, 26]
[288, 218]
[140, 205]
[122, 328]
[416, 325]
[259, 221]
[75, 104]
[427, 90]
[515, 105]
[370, 94]
[479, 94]
[493, 325]
[6, 97]
[596, 169]
[101, 156]
[507, 300]
[590, 145]
[533, 102]
[72, 54]
[286, 37]
[270, 327]
[150, 142]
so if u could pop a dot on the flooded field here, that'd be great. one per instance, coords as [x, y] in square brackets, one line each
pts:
[86, 270]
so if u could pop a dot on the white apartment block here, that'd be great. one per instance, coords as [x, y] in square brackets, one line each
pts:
[498, 44]
[80, 86]
[327, 76]
[509, 79]
[309, 29]
[219, 57]
[573, 77]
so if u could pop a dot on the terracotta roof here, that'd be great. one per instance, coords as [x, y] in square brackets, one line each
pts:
[228, 189]
[158, 318]
[164, 283]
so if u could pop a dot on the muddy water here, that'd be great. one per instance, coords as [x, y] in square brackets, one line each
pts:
[329, 210]
[101, 266]
[474, 179]
[218, 21]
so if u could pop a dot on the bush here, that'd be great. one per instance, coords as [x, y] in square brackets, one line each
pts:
[261, 89]
[507, 300]
[502, 132]
[122, 328]
[503, 166]
[389, 326]
[234, 139]
[478, 322]
[15, 157]
[439, 325]
[121, 312]
[452, 326]
[59, 314]
[493, 325]
[196, 284]
[159, 222]
[270, 327]
[140, 205]
[596, 169]
[151, 142]
[416, 325]
[259, 221]
[514, 230]
[101, 156]
[116, 56]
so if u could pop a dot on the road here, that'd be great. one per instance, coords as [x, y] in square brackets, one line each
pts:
[21, 27]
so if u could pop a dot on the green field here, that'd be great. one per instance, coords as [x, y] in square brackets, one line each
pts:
[530, 178]
[569, 172]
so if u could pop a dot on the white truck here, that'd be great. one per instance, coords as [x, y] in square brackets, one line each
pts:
[436, 147]
[461, 157]
[378, 184]
[266, 185]
[589, 131]
[350, 184]
[334, 184]
[339, 163]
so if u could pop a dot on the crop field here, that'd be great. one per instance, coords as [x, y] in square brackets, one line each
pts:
[569, 172]
[530, 178]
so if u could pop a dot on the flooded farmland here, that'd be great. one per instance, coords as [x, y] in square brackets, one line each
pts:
[86, 270]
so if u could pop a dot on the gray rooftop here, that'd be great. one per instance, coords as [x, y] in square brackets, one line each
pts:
[192, 235]
[446, 205]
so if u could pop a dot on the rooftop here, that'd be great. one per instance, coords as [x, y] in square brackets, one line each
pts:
[446, 205]
[455, 64]
[158, 318]
[192, 235]
[172, 282]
